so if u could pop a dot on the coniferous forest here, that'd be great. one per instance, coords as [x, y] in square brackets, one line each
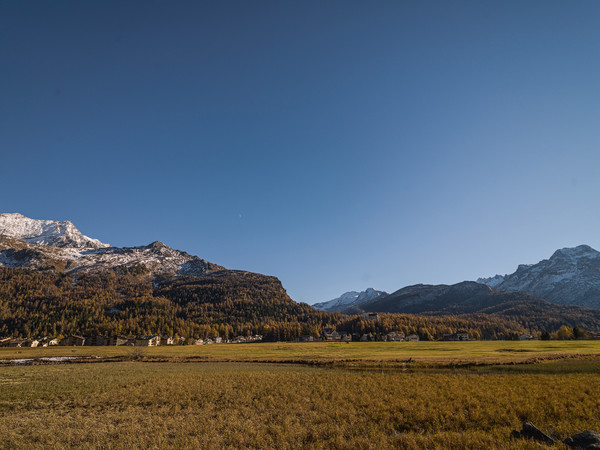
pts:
[229, 303]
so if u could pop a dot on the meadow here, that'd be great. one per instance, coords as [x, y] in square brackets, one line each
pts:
[242, 396]
[424, 352]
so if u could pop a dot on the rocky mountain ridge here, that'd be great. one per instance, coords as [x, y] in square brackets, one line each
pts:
[46, 232]
[471, 298]
[351, 300]
[40, 244]
[571, 276]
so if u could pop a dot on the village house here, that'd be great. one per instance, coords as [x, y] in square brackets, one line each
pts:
[73, 340]
[147, 341]
[305, 338]
[48, 342]
[412, 338]
[167, 340]
[30, 343]
[455, 337]
[97, 340]
[395, 336]
[333, 336]
[121, 340]
[15, 343]
[4, 341]
[330, 334]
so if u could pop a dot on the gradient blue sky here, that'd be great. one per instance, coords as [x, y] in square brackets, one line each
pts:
[337, 145]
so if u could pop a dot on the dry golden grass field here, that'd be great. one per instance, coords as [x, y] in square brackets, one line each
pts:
[324, 352]
[363, 395]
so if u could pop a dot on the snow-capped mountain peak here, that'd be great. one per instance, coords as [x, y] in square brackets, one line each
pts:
[36, 244]
[575, 253]
[45, 232]
[569, 276]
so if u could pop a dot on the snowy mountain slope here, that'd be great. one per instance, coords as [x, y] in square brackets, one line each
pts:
[38, 244]
[571, 276]
[45, 232]
[349, 301]
[152, 288]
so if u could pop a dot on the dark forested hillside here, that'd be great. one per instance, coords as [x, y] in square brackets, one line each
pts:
[474, 298]
[225, 303]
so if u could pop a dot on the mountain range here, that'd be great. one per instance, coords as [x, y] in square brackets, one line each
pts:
[54, 279]
[571, 276]
[79, 284]
[39, 244]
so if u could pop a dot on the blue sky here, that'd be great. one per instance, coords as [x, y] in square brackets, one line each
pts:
[337, 145]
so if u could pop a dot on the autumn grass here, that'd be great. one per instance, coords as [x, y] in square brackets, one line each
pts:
[389, 353]
[250, 405]
[326, 395]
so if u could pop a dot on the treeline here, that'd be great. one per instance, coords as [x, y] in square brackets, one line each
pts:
[227, 304]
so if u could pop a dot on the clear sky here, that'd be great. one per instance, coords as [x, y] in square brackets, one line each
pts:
[337, 145]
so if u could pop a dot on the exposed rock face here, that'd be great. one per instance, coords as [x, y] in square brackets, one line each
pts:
[570, 277]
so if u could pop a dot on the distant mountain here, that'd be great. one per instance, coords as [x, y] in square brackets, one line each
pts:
[570, 277]
[41, 244]
[350, 301]
[55, 280]
[469, 297]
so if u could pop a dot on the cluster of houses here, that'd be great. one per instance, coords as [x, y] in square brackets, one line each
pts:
[336, 336]
[42, 342]
[330, 334]
[235, 340]
[395, 336]
[137, 341]
[456, 337]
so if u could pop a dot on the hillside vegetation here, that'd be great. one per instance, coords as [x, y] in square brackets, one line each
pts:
[226, 303]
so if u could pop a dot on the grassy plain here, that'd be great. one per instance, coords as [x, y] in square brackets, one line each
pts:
[483, 352]
[228, 401]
